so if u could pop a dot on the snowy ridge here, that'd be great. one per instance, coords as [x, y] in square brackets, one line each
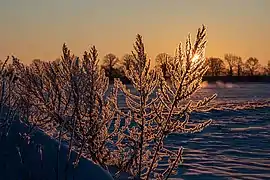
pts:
[36, 159]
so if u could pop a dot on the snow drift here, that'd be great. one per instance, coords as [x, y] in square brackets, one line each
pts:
[37, 159]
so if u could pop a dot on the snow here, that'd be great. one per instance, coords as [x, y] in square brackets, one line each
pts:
[20, 160]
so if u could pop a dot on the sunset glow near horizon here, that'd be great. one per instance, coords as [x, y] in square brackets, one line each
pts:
[37, 29]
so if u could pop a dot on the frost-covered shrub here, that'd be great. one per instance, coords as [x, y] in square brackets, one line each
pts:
[150, 120]
[7, 98]
[68, 100]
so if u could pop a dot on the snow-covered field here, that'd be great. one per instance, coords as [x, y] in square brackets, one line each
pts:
[235, 146]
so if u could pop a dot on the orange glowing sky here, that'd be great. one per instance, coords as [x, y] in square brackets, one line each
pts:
[37, 29]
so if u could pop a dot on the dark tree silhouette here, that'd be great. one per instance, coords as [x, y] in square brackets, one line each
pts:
[239, 66]
[252, 65]
[127, 60]
[162, 61]
[267, 68]
[216, 66]
[232, 62]
[109, 62]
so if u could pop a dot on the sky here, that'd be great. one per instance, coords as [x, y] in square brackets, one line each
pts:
[37, 29]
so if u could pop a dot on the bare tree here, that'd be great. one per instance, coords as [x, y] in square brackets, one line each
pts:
[252, 65]
[216, 66]
[267, 68]
[230, 60]
[239, 65]
[109, 62]
[162, 61]
[233, 62]
[127, 61]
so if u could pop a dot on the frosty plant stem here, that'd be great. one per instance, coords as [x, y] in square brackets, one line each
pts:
[160, 116]
[175, 100]
[141, 59]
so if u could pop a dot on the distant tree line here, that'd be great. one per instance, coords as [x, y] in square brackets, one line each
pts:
[231, 65]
